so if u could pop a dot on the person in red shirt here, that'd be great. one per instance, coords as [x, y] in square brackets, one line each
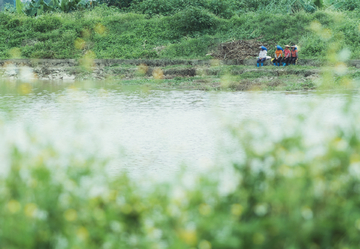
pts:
[287, 56]
[294, 55]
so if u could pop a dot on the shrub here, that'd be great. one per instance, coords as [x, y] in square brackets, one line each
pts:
[188, 48]
[46, 23]
[117, 3]
[344, 4]
[155, 7]
[10, 8]
[222, 8]
[193, 19]
[13, 23]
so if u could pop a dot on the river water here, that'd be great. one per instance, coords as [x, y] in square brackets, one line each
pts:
[147, 132]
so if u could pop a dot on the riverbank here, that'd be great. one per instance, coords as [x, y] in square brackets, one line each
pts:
[238, 75]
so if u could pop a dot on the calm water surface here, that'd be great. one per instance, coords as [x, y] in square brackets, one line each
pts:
[148, 131]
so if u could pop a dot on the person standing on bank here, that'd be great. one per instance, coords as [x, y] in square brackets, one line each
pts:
[278, 55]
[294, 54]
[287, 56]
[262, 56]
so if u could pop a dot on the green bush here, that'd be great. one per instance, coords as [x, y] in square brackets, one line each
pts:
[46, 23]
[193, 19]
[13, 23]
[313, 46]
[10, 8]
[344, 4]
[117, 3]
[188, 48]
[222, 8]
[153, 7]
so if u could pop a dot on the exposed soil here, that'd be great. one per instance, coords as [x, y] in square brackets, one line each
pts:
[238, 50]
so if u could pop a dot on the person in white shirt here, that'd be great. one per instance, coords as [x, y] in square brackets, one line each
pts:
[262, 56]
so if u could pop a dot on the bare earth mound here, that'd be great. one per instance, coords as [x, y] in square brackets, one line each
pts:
[238, 50]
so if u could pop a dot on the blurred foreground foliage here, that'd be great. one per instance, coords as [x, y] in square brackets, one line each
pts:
[287, 191]
[191, 32]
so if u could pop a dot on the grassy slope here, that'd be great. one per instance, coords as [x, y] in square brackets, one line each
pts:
[129, 35]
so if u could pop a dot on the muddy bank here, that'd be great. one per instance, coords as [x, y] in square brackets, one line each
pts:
[153, 63]
[207, 75]
[49, 69]
[11, 71]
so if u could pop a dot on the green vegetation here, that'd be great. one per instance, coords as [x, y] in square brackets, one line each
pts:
[222, 8]
[172, 29]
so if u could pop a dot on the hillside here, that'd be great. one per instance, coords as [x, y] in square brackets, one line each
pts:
[192, 33]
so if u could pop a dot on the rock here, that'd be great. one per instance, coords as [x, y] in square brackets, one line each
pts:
[27, 74]
[68, 78]
[11, 70]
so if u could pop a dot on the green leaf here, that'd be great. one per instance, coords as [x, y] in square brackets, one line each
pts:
[19, 6]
